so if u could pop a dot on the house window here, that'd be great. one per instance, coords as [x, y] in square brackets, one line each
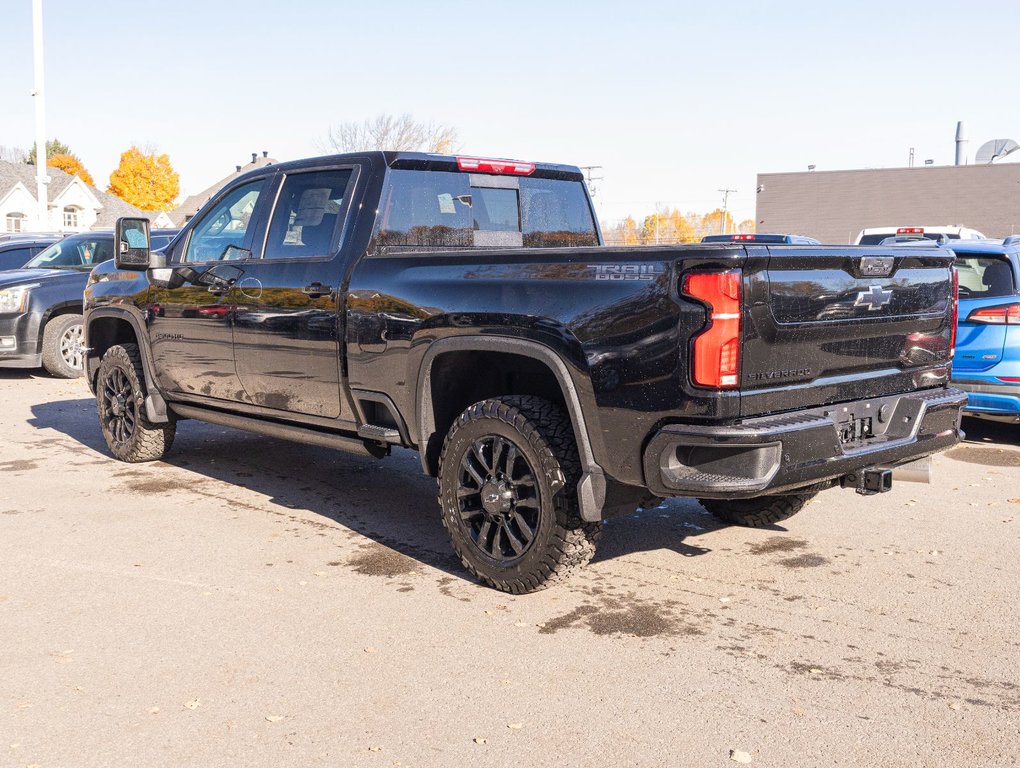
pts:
[16, 222]
[70, 217]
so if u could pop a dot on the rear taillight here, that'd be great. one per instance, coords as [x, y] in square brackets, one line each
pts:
[483, 165]
[1003, 314]
[956, 314]
[716, 357]
[743, 237]
[910, 231]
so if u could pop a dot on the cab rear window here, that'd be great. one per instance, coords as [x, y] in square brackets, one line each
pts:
[984, 277]
[442, 210]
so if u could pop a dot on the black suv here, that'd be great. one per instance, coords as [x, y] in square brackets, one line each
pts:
[41, 302]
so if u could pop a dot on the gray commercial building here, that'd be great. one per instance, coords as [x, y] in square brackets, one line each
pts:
[834, 206]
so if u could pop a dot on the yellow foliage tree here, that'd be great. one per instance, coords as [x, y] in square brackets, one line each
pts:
[147, 181]
[72, 166]
[667, 226]
[718, 222]
[622, 233]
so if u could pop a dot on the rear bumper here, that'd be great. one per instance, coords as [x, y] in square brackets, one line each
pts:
[998, 398]
[781, 453]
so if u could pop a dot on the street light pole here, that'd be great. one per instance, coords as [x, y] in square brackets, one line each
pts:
[41, 179]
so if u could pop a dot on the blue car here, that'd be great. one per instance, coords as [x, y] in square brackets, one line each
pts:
[987, 362]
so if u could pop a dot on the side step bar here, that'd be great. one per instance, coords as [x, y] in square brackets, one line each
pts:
[282, 431]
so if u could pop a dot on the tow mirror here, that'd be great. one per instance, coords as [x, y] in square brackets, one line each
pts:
[133, 244]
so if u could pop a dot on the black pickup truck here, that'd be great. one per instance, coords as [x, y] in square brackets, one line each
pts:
[466, 308]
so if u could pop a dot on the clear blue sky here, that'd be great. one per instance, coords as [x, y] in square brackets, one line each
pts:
[674, 100]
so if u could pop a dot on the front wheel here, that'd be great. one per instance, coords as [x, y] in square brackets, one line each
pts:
[508, 491]
[63, 347]
[120, 399]
[759, 512]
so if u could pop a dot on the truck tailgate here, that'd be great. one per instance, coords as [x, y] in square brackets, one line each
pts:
[824, 325]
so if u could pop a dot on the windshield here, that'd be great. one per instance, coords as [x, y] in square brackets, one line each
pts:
[75, 252]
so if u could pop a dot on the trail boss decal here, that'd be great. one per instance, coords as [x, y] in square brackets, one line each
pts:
[626, 271]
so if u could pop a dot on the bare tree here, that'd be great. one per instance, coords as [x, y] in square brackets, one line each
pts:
[12, 154]
[398, 133]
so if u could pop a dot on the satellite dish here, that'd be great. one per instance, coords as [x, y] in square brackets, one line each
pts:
[992, 150]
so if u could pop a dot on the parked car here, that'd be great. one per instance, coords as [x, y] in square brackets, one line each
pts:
[161, 238]
[875, 235]
[17, 250]
[987, 364]
[462, 307]
[914, 240]
[762, 238]
[41, 303]
[6, 236]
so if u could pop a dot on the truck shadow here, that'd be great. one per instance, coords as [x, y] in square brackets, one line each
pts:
[983, 431]
[390, 502]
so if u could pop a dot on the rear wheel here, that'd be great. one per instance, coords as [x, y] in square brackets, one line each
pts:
[759, 512]
[63, 349]
[508, 491]
[120, 399]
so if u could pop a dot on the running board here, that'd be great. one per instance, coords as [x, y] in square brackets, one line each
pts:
[281, 431]
[379, 434]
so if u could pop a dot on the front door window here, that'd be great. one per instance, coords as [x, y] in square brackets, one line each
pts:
[221, 233]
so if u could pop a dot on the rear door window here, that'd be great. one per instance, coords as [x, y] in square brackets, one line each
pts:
[444, 210]
[306, 214]
[984, 277]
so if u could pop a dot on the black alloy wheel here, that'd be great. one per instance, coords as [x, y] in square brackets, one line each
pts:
[120, 408]
[508, 476]
[120, 401]
[499, 499]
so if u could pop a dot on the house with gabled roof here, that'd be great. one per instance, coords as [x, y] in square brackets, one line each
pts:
[73, 205]
[189, 207]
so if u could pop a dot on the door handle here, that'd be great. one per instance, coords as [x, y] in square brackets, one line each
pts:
[316, 290]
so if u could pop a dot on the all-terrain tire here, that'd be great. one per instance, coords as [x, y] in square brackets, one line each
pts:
[120, 400]
[759, 512]
[545, 451]
[63, 347]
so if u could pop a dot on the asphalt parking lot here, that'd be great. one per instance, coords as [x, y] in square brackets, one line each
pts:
[255, 602]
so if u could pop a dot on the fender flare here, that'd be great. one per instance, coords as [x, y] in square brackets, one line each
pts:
[155, 405]
[591, 490]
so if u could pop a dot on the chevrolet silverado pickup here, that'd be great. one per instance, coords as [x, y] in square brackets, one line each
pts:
[466, 308]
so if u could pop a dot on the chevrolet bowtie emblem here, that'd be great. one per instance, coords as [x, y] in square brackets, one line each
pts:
[874, 298]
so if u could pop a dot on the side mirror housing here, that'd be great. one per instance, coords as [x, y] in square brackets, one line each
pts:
[133, 245]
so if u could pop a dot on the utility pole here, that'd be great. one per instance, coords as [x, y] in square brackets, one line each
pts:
[589, 179]
[725, 207]
[41, 179]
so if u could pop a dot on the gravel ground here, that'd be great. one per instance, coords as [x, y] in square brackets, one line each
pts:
[255, 602]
